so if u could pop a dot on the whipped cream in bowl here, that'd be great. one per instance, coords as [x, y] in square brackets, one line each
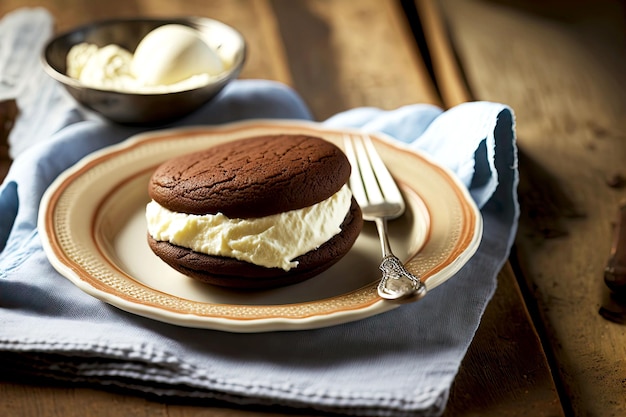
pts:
[170, 58]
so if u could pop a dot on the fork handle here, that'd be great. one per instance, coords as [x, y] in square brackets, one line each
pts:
[381, 226]
[397, 283]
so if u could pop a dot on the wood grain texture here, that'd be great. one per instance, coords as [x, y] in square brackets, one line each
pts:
[561, 66]
[338, 55]
[518, 381]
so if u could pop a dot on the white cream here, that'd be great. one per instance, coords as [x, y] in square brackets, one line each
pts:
[171, 54]
[105, 68]
[271, 241]
[168, 59]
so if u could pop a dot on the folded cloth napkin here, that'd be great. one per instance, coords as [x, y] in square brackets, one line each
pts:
[400, 363]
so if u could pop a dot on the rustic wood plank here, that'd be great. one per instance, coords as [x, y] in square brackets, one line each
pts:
[561, 66]
[339, 55]
[519, 381]
[447, 73]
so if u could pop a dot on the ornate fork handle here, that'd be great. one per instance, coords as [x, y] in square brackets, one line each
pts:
[397, 283]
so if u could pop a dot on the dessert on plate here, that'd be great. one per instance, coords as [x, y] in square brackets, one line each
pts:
[255, 213]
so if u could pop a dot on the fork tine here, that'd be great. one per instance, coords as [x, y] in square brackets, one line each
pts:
[355, 182]
[386, 182]
[368, 176]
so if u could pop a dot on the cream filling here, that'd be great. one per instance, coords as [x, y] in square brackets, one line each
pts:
[271, 241]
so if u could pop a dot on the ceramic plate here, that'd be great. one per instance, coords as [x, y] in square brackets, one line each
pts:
[92, 224]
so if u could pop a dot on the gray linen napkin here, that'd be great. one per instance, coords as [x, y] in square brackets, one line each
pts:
[400, 363]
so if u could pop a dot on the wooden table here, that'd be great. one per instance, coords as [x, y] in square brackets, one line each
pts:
[541, 349]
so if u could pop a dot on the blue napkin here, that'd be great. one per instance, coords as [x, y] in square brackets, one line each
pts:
[400, 363]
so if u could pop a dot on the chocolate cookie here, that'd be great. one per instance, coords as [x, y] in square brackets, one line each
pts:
[253, 177]
[248, 179]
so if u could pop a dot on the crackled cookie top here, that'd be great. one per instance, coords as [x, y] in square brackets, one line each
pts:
[252, 177]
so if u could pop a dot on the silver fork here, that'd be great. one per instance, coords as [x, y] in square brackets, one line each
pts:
[380, 199]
